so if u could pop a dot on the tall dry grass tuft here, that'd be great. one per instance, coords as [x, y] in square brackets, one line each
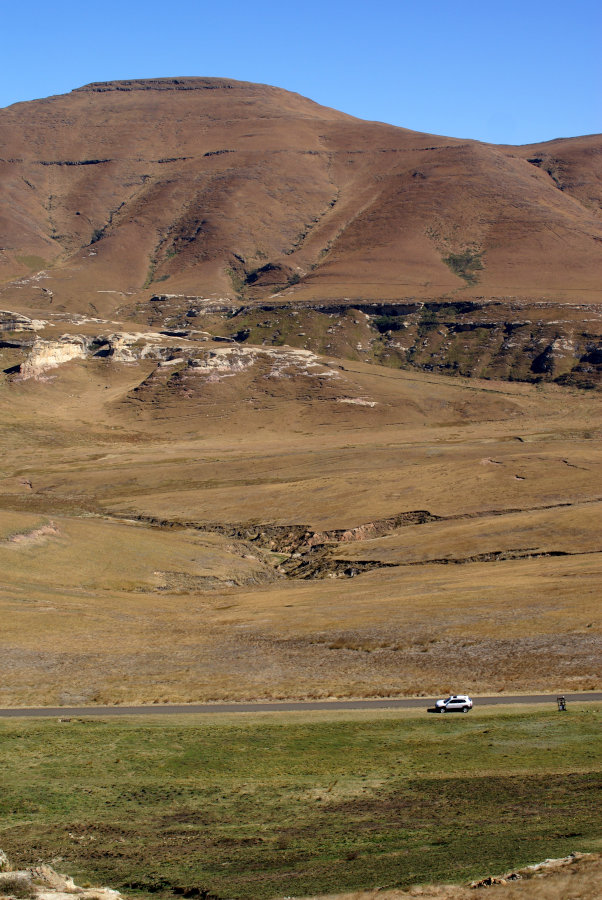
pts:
[16, 885]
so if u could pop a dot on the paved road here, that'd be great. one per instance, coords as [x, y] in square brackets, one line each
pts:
[281, 706]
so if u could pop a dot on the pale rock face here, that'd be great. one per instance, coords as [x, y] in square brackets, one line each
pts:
[228, 361]
[223, 363]
[50, 354]
[14, 322]
[126, 347]
[563, 347]
[43, 883]
[215, 364]
[4, 863]
[121, 347]
[357, 401]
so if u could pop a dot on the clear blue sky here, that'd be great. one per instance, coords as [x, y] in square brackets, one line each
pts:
[505, 71]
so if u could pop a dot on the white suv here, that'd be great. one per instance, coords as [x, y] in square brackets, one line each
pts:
[455, 703]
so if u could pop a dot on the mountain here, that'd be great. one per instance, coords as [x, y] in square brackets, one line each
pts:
[212, 191]
[222, 188]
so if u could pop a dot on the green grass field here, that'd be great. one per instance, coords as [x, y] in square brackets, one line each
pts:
[278, 805]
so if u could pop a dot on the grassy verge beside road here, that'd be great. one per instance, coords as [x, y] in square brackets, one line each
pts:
[295, 804]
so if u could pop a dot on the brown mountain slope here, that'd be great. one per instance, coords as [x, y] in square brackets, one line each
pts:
[219, 188]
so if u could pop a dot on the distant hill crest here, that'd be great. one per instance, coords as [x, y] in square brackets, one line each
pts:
[183, 83]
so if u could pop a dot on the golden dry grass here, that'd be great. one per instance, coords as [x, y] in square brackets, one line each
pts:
[96, 608]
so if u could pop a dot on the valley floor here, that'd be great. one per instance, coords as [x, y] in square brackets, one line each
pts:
[243, 523]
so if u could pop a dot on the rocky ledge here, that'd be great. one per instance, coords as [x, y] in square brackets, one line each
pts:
[168, 350]
[15, 322]
[43, 883]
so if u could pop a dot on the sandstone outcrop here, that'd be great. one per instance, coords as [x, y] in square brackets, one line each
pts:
[121, 347]
[43, 883]
[15, 322]
[46, 355]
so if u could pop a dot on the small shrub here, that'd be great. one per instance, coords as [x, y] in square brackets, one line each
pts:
[16, 884]
[237, 282]
[428, 321]
[466, 264]
[388, 323]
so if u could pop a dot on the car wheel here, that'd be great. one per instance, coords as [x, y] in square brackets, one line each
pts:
[441, 709]
[465, 708]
